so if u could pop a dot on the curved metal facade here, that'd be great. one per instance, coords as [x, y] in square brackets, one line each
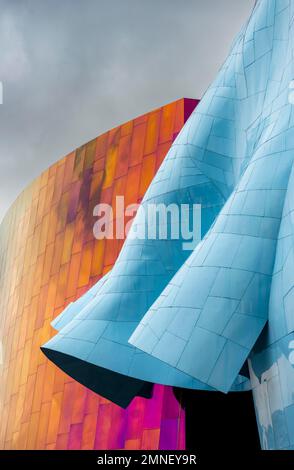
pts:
[49, 258]
[222, 317]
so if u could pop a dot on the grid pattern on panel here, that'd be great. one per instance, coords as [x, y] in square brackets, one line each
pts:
[232, 299]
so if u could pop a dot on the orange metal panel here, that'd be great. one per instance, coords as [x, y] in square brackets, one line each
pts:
[53, 260]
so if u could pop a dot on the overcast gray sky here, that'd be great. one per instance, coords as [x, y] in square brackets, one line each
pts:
[72, 69]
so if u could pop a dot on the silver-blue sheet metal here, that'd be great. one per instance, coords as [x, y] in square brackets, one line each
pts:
[99, 333]
[194, 320]
[239, 281]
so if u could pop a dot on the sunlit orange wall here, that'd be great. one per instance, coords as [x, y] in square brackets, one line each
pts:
[49, 257]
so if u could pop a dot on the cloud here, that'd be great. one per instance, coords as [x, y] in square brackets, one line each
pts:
[14, 64]
[72, 70]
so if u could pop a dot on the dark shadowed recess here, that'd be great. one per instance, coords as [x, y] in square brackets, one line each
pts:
[218, 421]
